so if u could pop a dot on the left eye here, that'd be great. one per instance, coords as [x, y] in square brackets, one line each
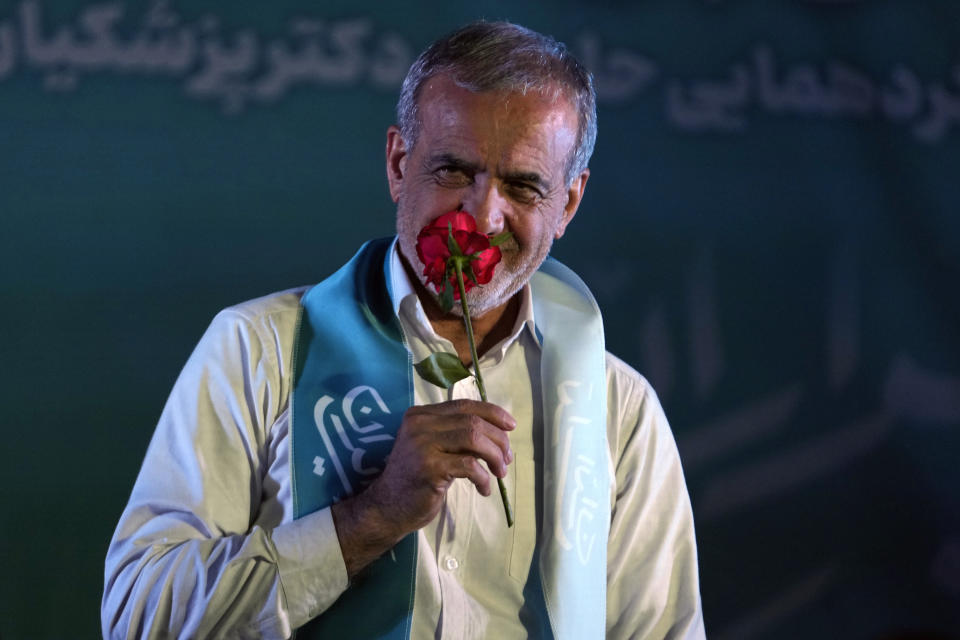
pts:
[523, 191]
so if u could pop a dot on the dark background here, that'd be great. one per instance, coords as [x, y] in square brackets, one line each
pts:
[770, 228]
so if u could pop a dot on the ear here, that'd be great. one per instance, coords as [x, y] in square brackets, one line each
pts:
[396, 161]
[574, 196]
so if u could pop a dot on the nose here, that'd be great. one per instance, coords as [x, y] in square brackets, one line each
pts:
[487, 205]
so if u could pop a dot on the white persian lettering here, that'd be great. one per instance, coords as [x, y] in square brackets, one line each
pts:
[327, 421]
[576, 495]
[247, 66]
[584, 509]
[233, 68]
[830, 89]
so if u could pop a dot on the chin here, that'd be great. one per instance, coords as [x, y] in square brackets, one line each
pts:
[497, 292]
[485, 299]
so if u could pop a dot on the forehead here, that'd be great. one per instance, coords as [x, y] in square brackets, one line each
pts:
[496, 124]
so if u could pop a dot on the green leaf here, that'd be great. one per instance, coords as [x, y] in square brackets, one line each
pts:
[500, 238]
[442, 369]
[452, 243]
[471, 275]
[446, 296]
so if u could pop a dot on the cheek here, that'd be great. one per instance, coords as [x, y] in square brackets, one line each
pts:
[534, 228]
[428, 197]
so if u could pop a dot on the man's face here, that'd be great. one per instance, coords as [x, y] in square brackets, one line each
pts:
[499, 156]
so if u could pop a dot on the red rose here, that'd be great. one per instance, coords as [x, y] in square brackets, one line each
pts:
[434, 250]
[450, 247]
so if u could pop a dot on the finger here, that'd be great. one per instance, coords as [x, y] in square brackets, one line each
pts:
[479, 438]
[469, 467]
[447, 431]
[497, 416]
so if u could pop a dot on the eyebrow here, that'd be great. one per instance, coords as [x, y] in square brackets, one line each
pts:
[452, 160]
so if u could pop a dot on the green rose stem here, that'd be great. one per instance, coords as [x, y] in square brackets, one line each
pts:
[507, 509]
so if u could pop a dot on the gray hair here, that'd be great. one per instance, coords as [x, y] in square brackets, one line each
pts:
[501, 56]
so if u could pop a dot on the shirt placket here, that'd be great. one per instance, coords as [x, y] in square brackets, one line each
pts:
[454, 541]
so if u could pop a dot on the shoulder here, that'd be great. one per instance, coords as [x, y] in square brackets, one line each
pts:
[634, 412]
[279, 305]
[272, 317]
[254, 333]
[627, 389]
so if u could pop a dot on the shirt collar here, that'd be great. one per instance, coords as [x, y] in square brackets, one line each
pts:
[401, 288]
[400, 285]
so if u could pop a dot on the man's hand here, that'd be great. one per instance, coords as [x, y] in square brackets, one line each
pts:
[435, 444]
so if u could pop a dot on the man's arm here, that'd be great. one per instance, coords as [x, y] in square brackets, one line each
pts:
[187, 559]
[652, 576]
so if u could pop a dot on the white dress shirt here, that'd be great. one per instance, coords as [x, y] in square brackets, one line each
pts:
[207, 545]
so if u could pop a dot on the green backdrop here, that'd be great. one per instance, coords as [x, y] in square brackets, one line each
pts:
[770, 228]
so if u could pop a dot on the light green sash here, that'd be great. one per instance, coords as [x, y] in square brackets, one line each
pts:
[352, 384]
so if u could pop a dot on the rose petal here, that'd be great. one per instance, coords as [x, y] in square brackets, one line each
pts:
[484, 265]
[434, 251]
[430, 247]
[474, 243]
[458, 220]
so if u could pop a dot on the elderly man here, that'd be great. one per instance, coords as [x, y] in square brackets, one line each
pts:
[302, 476]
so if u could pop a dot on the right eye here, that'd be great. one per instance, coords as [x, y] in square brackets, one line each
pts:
[451, 176]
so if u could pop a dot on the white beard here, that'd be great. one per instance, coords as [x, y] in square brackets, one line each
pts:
[509, 276]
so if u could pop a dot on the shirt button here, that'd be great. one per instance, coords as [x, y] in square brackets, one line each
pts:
[451, 564]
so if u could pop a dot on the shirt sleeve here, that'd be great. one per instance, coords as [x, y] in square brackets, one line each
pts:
[653, 588]
[192, 556]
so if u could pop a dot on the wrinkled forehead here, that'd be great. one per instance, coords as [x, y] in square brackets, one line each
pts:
[445, 106]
